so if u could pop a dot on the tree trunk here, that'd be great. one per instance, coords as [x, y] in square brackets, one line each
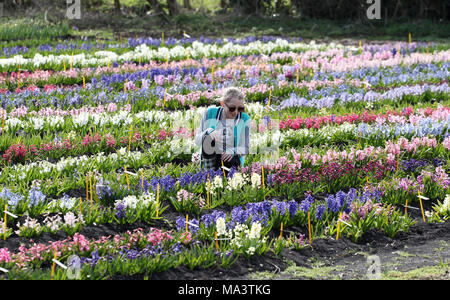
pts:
[186, 4]
[117, 6]
[172, 5]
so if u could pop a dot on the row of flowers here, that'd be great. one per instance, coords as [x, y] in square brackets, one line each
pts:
[251, 68]
[179, 141]
[97, 116]
[196, 50]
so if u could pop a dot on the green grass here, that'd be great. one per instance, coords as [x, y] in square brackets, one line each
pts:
[25, 29]
[438, 272]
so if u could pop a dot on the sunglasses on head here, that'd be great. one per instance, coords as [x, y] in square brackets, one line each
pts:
[233, 108]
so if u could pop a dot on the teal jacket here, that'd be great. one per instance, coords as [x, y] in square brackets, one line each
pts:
[241, 129]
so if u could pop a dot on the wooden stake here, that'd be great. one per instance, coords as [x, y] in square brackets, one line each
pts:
[281, 231]
[406, 206]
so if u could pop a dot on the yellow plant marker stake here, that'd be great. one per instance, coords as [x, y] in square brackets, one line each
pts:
[165, 97]
[409, 38]
[360, 47]
[339, 226]
[187, 220]
[87, 188]
[309, 228]
[126, 176]
[207, 193]
[84, 82]
[4, 224]
[125, 86]
[142, 179]
[90, 186]
[217, 241]
[270, 97]
[64, 65]
[298, 75]
[421, 206]
[108, 63]
[167, 60]
[406, 206]
[80, 207]
[223, 170]
[281, 231]
[157, 201]
[53, 267]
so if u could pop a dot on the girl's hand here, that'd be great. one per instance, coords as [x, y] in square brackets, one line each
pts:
[226, 157]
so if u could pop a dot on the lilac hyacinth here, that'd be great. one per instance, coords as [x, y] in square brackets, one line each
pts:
[210, 219]
[120, 211]
[332, 204]
[305, 205]
[292, 207]
[35, 196]
[279, 207]
[166, 183]
[193, 224]
[12, 198]
[320, 211]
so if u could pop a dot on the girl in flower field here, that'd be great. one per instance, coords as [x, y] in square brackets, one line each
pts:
[224, 132]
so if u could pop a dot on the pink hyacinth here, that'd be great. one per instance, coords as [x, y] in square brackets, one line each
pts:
[5, 255]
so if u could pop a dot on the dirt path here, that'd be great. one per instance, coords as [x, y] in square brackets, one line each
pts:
[422, 253]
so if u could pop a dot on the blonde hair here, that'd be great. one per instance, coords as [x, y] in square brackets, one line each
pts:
[232, 93]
